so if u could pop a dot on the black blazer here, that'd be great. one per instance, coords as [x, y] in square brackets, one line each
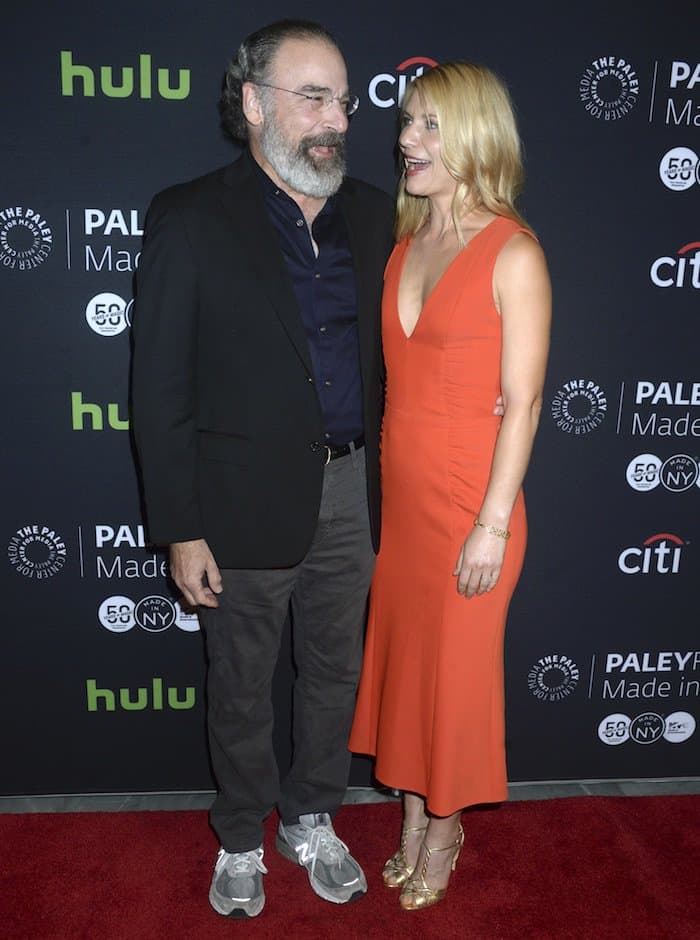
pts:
[224, 406]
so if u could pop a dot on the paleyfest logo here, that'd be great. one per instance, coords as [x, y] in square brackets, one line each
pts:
[26, 238]
[609, 88]
[387, 89]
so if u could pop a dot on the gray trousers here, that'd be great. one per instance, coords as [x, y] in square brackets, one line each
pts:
[327, 593]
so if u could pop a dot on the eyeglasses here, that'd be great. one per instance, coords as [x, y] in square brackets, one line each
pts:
[321, 101]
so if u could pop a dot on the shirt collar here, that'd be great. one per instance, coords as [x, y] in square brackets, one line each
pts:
[273, 193]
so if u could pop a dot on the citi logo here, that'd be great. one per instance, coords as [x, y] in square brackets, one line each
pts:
[80, 80]
[659, 554]
[84, 411]
[155, 698]
[681, 271]
[387, 89]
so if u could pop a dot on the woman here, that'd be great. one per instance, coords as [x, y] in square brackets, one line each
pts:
[466, 316]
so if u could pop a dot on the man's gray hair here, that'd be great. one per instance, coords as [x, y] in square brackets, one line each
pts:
[252, 64]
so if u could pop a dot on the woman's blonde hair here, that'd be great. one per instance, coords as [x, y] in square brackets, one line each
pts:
[479, 144]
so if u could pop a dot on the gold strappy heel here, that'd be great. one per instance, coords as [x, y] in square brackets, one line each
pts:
[415, 893]
[396, 871]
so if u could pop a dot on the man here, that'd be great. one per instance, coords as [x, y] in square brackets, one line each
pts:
[257, 397]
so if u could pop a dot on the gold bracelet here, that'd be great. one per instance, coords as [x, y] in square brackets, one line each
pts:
[501, 533]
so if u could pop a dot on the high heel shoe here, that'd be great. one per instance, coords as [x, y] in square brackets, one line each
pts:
[396, 871]
[415, 893]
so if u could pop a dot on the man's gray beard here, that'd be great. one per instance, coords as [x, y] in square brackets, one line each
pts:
[297, 168]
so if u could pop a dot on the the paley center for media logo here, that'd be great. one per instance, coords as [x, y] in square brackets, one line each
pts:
[37, 551]
[579, 406]
[609, 88]
[26, 238]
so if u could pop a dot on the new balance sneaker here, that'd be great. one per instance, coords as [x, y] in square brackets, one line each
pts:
[237, 884]
[334, 874]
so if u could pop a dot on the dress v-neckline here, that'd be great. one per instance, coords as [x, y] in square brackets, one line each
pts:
[437, 283]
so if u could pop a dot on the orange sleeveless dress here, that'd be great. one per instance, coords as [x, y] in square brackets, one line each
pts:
[431, 700]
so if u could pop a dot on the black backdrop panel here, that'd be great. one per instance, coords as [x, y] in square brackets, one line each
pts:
[102, 672]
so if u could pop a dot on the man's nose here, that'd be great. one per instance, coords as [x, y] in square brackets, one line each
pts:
[335, 116]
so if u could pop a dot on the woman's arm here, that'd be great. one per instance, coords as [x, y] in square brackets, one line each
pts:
[522, 294]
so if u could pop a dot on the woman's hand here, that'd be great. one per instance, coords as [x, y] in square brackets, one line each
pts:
[480, 561]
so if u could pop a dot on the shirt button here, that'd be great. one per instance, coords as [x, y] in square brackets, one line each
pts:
[309, 379]
[300, 223]
[322, 329]
[327, 436]
[328, 383]
[317, 276]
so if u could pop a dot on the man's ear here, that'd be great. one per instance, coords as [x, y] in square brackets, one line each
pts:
[250, 101]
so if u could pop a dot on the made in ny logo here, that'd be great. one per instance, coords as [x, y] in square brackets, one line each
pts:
[387, 89]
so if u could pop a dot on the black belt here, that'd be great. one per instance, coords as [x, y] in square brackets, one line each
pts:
[333, 451]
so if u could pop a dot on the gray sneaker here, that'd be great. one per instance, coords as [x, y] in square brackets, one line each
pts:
[237, 885]
[333, 872]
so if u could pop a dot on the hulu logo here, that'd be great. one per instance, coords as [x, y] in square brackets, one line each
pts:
[156, 698]
[82, 411]
[80, 79]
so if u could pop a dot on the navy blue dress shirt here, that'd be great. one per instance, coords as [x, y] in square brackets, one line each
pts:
[325, 290]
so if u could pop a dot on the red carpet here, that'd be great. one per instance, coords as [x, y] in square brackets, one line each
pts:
[569, 869]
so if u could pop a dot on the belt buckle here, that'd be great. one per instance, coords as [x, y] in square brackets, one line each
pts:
[329, 453]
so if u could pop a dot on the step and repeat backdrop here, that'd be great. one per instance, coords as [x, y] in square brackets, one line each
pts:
[102, 670]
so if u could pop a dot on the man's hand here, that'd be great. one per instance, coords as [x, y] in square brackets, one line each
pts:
[499, 410]
[190, 564]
